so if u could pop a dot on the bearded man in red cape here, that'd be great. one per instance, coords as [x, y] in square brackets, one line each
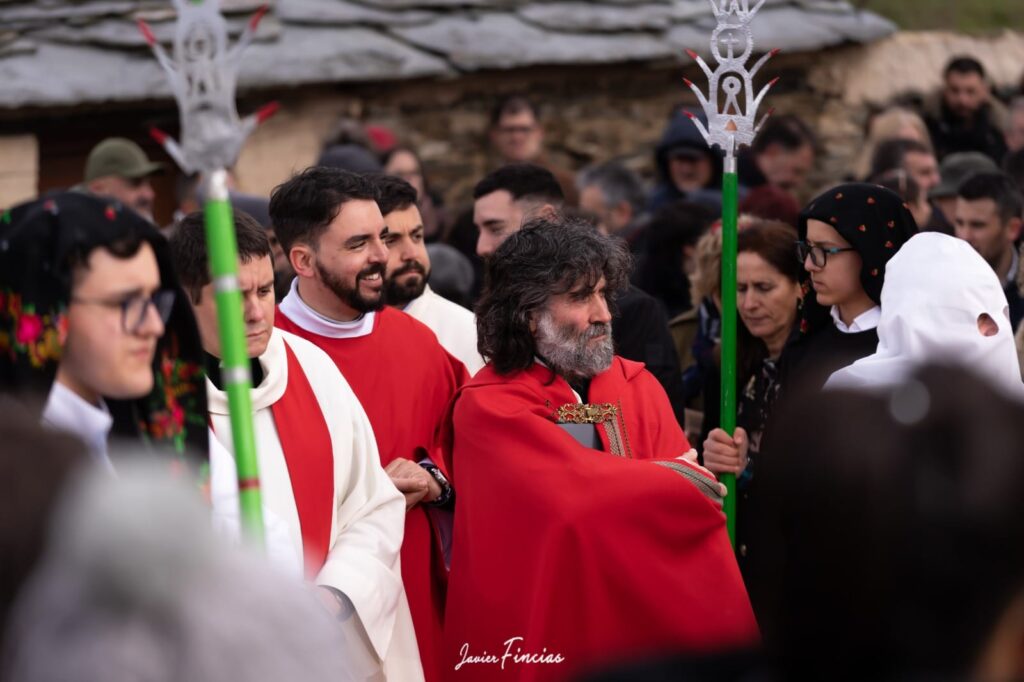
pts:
[585, 533]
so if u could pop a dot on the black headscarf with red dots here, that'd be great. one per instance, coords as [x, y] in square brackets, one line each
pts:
[874, 220]
[38, 241]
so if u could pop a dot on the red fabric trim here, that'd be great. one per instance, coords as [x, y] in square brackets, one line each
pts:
[309, 454]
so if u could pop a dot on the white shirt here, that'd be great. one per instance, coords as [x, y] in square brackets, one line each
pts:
[453, 325]
[67, 411]
[299, 312]
[867, 320]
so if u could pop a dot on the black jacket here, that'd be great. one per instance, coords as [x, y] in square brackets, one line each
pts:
[640, 330]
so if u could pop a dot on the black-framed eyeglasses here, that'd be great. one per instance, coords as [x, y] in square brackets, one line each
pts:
[819, 254]
[135, 308]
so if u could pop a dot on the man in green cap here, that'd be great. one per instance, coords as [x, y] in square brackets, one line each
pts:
[118, 168]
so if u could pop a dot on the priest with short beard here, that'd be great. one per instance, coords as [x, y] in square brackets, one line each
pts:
[585, 531]
[331, 227]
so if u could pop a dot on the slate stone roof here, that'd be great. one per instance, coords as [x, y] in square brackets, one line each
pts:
[57, 53]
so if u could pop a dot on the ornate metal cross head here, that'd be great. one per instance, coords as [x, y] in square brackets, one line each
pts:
[731, 104]
[203, 74]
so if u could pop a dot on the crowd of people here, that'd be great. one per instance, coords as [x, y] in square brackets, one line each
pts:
[489, 436]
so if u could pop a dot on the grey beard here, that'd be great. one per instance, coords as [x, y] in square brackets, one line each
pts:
[567, 352]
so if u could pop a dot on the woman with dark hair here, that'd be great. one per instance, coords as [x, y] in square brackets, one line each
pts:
[402, 161]
[767, 299]
[846, 236]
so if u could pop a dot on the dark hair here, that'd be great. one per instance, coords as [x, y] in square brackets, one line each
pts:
[546, 258]
[964, 64]
[393, 193]
[303, 207]
[774, 242]
[787, 131]
[1013, 166]
[909, 500]
[123, 248]
[890, 154]
[616, 182]
[522, 181]
[900, 182]
[398, 149]
[995, 186]
[769, 202]
[673, 227]
[188, 249]
[512, 105]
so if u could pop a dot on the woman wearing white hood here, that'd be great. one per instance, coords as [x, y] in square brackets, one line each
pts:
[941, 302]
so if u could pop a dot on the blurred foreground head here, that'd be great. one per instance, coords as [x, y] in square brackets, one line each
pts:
[135, 587]
[893, 533]
[35, 466]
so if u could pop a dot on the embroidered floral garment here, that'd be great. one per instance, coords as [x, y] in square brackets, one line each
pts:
[38, 239]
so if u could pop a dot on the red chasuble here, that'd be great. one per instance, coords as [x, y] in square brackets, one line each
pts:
[566, 557]
[404, 380]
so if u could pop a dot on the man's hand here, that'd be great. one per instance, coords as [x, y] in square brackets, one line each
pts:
[725, 455]
[413, 481]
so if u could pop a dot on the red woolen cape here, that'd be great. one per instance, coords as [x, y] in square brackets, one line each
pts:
[405, 381]
[581, 553]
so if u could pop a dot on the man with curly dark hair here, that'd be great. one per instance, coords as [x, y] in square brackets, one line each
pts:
[582, 507]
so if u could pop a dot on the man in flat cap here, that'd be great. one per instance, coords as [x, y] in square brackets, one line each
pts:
[118, 168]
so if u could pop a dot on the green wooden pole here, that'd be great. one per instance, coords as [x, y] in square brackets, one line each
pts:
[223, 250]
[730, 208]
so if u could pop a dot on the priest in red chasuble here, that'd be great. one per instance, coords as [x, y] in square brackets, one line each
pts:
[320, 474]
[329, 223]
[585, 533]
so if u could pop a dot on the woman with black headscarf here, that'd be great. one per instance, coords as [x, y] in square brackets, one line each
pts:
[845, 238]
[847, 235]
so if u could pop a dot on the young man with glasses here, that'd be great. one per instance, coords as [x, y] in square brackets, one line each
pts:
[91, 324]
[847, 235]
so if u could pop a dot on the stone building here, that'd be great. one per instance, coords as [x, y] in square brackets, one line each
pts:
[607, 73]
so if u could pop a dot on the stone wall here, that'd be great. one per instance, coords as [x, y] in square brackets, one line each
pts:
[590, 114]
[19, 168]
[595, 113]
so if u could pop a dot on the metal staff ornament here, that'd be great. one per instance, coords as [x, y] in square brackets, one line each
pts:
[203, 75]
[731, 110]
[732, 124]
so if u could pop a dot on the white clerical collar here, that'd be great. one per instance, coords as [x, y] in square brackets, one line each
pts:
[67, 411]
[299, 312]
[867, 320]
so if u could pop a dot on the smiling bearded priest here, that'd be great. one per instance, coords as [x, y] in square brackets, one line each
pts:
[330, 226]
[584, 531]
[320, 473]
